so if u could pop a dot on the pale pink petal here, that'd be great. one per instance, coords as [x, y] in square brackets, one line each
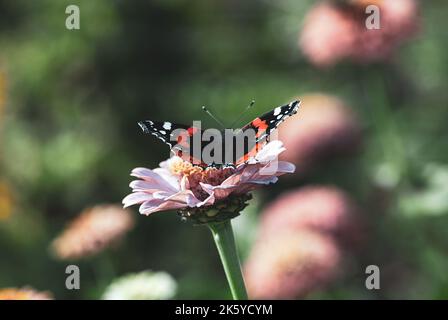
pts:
[240, 175]
[136, 198]
[184, 184]
[144, 173]
[161, 194]
[171, 205]
[269, 152]
[152, 177]
[150, 206]
[263, 180]
[233, 180]
[192, 202]
[186, 197]
[249, 172]
[141, 185]
[156, 205]
[208, 201]
[286, 167]
[219, 192]
[168, 177]
[276, 168]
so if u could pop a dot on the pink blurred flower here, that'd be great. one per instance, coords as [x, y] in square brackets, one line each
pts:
[335, 31]
[300, 243]
[328, 35]
[323, 209]
[177, 184]
[326, 127]
[398, 23]
[92, 231]
[290, 264]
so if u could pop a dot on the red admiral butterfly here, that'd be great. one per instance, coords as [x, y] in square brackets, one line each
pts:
[238, 146]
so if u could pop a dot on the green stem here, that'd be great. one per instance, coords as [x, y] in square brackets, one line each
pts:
[225, 242]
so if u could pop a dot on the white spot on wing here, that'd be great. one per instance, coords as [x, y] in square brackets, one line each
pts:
[167, 126]
[277, 111]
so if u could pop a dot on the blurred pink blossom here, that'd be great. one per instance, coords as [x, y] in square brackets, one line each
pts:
[290, 264]
[329, 34]
[301, 241]
[324, 209]
[94, 230]
[326, 127]
[336, 31]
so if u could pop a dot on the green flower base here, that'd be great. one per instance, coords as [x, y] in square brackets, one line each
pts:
[220, 211]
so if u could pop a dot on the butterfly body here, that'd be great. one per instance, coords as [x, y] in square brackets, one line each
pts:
[215, 148]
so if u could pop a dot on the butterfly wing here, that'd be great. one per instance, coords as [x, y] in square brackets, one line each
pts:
[264, 125]
[162, 130]
[270, 121]
[179, 137]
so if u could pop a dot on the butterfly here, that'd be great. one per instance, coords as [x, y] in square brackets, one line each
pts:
[226, 148]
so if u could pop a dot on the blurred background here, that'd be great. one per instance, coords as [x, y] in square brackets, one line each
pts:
[369, 143]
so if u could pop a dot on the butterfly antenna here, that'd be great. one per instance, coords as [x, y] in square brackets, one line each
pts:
[244, 112]
[213, 117]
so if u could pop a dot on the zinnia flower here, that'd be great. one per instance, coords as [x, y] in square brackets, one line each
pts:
[201, 193]
[290, 264]
[326, 127]
[335, 31]
[146, 285]
[92, 231]
[24, 294]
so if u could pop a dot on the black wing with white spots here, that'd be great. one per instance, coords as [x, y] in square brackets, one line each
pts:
[162, 130]
[270, 121]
